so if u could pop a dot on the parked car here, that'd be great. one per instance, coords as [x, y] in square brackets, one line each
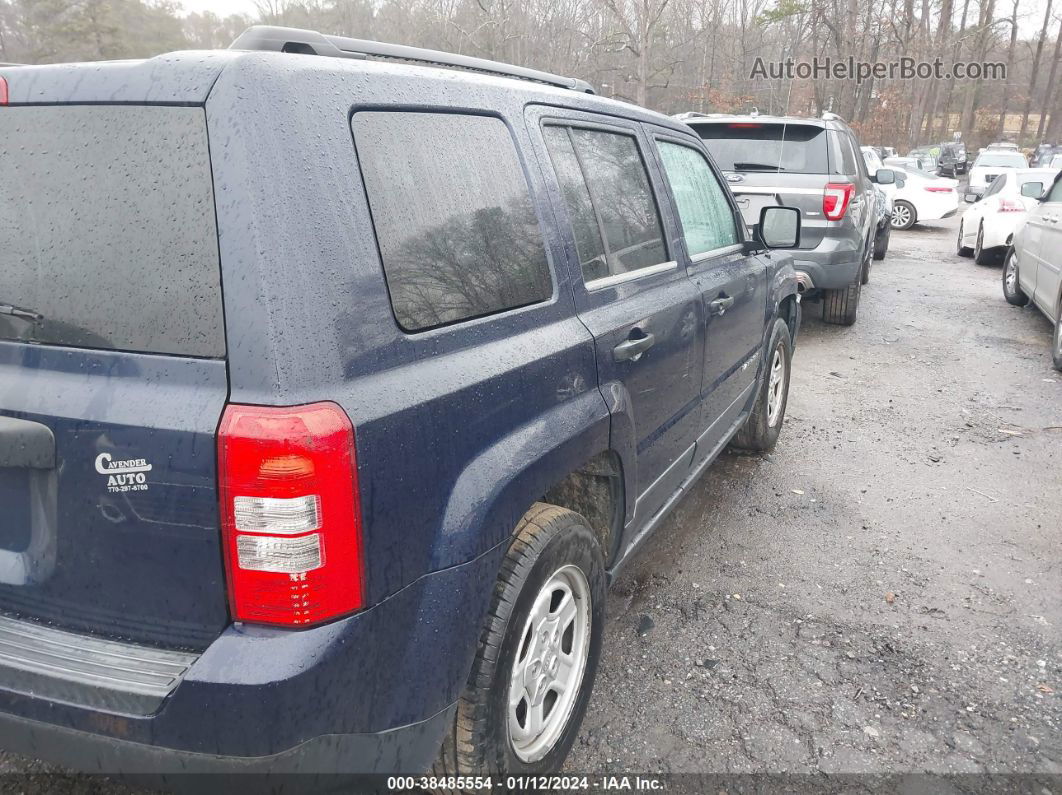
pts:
[1044, 154]
[988, 225]
[927, 156]
[885, 203]
[951, 161]
[922, 197]
[811, 164]
[1005, 146]
[1033, 268]
[912, 164]
[989, 165]
[364, 521]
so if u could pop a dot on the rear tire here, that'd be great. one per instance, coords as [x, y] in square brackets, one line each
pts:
[760, 432]
[553, 577]
[1011, 286]
[840, 307]
[960, 249]
[982, 255]
[881, 242]
[903, 215]
[1056, 346]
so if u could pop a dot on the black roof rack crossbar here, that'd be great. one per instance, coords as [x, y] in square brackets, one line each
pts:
[310, 42]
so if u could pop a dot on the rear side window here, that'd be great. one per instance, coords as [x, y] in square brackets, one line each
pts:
[755, 146]
[603, 173]
[457, 231]
[706, 216]
[107, 230]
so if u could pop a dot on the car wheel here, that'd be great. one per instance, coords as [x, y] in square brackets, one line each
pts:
[1011, 287]
[903, 215]
[982, 255]
[1056, 348]
[868, 261]
[760, 432]
[538, 651]
[881, 242]
[960, 249]
[839, 307]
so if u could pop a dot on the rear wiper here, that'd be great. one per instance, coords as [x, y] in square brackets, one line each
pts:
[757, 167]
[19, 312]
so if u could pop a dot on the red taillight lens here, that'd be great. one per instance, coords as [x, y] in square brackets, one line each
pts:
[290, 513]
[3, 91]
[1010, 206]
[835, 200]
[934, 189]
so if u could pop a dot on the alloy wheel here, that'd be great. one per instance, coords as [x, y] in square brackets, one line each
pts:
[776, 387]
[550, 662]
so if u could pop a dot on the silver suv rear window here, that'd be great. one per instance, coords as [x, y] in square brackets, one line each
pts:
[107, 232]
[756, 146]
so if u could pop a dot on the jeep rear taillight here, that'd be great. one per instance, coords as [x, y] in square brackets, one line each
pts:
[3, 91]
[835, 199]
[290, 513]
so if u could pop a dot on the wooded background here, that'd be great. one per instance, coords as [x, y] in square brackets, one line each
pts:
[670, 55]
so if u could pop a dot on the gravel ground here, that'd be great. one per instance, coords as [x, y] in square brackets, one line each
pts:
[883, 593]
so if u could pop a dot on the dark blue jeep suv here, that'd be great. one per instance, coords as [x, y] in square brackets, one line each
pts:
[334, 389]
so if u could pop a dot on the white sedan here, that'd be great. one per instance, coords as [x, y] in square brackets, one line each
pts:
[988, 226]
[921, 197]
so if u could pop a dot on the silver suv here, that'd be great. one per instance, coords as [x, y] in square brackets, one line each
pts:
[815, 166]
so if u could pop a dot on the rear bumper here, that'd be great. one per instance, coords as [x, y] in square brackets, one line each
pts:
[835, 263]
[408, 749]
[369, 693]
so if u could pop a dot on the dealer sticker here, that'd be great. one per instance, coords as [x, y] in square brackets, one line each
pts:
[128, 475]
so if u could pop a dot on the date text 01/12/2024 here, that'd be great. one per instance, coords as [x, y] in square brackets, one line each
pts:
[527, 783]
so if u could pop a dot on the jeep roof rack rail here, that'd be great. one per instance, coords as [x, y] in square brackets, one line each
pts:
[310, 42]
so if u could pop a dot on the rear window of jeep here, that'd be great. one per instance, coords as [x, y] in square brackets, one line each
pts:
[107, 232]
[458, 234]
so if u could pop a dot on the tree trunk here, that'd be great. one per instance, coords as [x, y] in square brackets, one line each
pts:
[1050, 86]
[1035, 72]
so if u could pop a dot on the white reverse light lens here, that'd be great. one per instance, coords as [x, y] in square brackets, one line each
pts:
[278, 516]
[282, 555]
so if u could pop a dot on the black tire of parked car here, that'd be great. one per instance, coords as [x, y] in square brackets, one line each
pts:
[759, 434]
[881, 242]
[840, 306]
[1011, 288]
[903, 215]
[1056, 345]
[982, 255]
[960, 249]
[547, 539]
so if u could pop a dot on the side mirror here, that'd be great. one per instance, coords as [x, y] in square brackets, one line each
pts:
[885, 176]
[1032, 190]
[779, 227]
[972, 198]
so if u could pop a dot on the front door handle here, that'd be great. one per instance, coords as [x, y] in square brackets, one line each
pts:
[720, 305]
[632, 348]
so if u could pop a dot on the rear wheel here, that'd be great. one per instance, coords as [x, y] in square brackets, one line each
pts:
[839, 307]
[760, 432]
[903, 215]
[1011, 288]
[1056, 348]
[960, 249]
[881, 242]
[539, 646]
[982, 255]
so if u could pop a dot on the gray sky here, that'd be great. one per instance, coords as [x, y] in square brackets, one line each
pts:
[220, 7]
[1030, 12]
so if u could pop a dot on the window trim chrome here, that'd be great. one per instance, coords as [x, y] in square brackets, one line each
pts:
[733, 248]
[622, 278]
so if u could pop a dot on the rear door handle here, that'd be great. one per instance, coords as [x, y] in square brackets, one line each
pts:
[632, 348]
[720, 305]
[26, 445]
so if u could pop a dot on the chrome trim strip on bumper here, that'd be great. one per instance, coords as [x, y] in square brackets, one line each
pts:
[50, 663]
